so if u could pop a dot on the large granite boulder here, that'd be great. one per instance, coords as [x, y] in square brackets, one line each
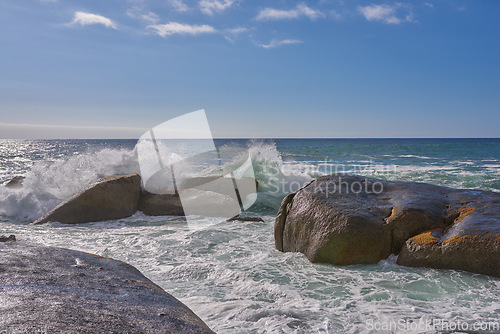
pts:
[111, 197]
[347, 219]
[160, 204]
[56, 290]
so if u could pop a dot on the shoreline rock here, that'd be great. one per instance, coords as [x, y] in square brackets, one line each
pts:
[111, 197]
[57, 290]
[347, 219]
[120, 196]
[160, 205]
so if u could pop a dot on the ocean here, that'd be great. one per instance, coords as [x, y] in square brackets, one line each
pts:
[229, 273]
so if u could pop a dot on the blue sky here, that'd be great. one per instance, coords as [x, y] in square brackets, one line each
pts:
[283, 68]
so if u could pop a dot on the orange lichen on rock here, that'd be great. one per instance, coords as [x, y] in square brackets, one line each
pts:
[426, 238]
[458, 214]
[462, 239]
[472, 238]
[394, 213]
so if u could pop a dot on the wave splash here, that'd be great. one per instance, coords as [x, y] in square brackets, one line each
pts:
[48, 183]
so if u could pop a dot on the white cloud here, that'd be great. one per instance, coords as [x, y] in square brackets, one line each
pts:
[237, 30]
[210, 7]
[384, 13]
[299, 11]
[275, 43]
[335, 15]
[179, 5]
[173, 28]
[149, 17]
[234, 32]
[84, 19]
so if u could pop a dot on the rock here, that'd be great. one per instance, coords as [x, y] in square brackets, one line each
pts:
[56, 290]
[245, 219]
[348, 219]
[16, 182]
[470, 243]
[11, 237]
[111, 197]
[202, 189]
[160, 205]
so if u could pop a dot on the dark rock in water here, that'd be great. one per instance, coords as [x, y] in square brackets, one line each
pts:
[245, 219]
[11, 237]
[16, 182]
[111, 197]
[56, 290]
[348, 219]
[160, 205]
[170, 204]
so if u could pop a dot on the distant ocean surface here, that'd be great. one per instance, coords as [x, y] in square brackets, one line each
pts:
[230, 274]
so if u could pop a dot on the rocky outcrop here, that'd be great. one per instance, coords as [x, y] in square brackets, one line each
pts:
[120, 196]
[348, 219]
[56, 290]
[111, 197]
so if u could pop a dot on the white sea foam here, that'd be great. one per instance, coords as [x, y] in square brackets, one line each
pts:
[233, 278]
[230, 273]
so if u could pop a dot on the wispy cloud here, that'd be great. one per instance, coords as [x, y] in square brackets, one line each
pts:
[275, 43]
[179, 5]
[302, 10]
[231, 34]
[173, 28]
[149, 17]
[84, 19]
[237, 30]
[210, 7]
[384, 13]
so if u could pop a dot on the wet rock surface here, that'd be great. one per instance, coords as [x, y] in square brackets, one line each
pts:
[111, 197]
[56, 290]
[349, 219]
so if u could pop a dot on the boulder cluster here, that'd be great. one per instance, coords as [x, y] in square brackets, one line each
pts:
[348, 219]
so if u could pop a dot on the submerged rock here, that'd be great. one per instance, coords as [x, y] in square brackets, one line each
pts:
[56, 290]
[111, 197]
[16, 182]
[11, 237]
[348, 219]
[245, 219]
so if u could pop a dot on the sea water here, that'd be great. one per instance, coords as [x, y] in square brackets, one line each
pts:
[229, 273]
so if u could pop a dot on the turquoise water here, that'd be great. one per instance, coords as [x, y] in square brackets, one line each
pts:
[229, 273]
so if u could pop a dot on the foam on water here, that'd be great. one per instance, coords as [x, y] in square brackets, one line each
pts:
[234, 279]
[230, 273]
